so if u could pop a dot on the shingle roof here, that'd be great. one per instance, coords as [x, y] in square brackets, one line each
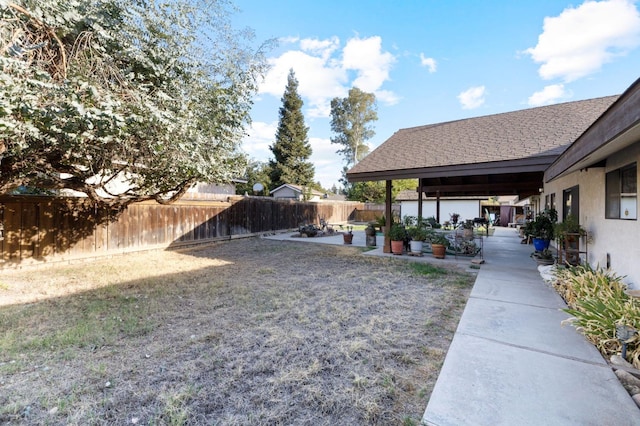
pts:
[543, 132]
[298, 188]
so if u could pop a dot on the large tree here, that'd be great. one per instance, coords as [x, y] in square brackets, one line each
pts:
[256, 172]
[123, 100]
[351, 119]
[291, 150]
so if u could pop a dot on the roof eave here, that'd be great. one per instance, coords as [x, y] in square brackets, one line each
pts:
[616, 128]
[529, 164]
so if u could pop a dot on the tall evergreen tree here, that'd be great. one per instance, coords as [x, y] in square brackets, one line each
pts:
[291, 150]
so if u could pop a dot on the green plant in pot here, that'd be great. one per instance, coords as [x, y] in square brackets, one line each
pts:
[439, 244]
[542, 229]
[418, 235]
[568, 234]
[568, 226]
[397, 233]
[544, 257]
[381, 222]
[467, 228]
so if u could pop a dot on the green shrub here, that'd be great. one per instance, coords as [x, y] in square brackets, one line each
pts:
[397, 232]
[597, 301]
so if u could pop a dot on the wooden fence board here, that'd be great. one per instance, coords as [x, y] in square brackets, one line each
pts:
[56, 228]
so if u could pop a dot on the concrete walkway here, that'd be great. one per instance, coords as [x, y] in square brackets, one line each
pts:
[511, 362]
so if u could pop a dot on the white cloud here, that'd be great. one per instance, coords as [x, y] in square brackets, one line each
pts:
[580, 40]
[430, 63]
[322, 74]
[387, 97]
[472, 97]
[260, 136]
[365, 56]
[549, 95]
[327, 163]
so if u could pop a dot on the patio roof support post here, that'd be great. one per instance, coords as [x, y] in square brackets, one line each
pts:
[438, 206]
[420, 199]
[389, 218]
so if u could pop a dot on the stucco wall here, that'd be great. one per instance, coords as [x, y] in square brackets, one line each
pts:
[616, 237]
[468, 209]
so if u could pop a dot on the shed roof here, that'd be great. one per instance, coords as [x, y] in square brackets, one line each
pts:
[298, 189]
[511, 143]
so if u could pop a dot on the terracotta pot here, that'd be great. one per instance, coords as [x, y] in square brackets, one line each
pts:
[397, 247]
[348, 238]
[439, 251]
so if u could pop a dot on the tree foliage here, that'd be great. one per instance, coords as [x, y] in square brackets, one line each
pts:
[123, 100]
[257, 172]
[351, 119]
[291, 150]
[376, 192]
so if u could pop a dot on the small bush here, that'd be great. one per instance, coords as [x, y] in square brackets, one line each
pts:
[597, 302]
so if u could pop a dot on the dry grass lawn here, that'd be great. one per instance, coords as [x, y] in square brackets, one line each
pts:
[243, 332]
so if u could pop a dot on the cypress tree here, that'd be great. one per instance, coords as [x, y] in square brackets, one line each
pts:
[291, 150]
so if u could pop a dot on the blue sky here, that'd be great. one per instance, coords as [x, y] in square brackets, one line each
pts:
[430, 61]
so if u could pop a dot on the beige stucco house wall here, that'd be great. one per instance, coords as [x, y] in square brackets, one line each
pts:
[612, 242]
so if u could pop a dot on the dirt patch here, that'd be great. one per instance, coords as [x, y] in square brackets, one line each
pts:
[244, 332]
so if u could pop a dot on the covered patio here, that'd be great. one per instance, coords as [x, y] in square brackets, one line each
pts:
[500, 154]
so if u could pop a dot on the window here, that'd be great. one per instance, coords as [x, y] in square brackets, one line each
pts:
[621, 201]
[571, 202]
[550, 201]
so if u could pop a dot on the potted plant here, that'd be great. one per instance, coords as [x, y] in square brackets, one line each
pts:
[397, 235]
[381, 222]
[454, 218]
[348, 237]
[439, 244]
[418, 236]
[541, 229]
[544, 257]
[568, 234]
[431, 221]
[467, 229]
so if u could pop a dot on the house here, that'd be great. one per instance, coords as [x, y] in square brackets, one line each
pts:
[198, 191]
[596, 179]
[212, 191]
[579, 157]
[297, 192]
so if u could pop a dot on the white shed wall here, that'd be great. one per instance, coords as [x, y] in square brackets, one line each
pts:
[468, 209]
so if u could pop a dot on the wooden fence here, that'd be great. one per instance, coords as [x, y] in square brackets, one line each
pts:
[37, 230]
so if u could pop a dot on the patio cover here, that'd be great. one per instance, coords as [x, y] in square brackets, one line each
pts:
[500, 154]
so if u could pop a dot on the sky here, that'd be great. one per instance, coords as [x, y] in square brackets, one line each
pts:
[432, 61]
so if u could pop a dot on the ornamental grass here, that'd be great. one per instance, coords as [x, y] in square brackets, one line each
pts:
[598, 302]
